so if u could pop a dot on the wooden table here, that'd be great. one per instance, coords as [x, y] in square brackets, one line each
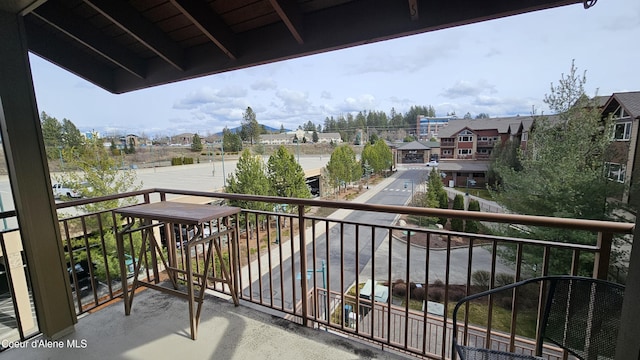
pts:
[194, 216]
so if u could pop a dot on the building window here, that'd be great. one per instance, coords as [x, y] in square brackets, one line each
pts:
[622, 131]
[465, 136]
[464, 151]
[616, 171]
[484, 151]
[619, 113]
[446, 152]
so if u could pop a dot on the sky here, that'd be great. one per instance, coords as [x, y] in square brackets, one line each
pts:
[502, 67]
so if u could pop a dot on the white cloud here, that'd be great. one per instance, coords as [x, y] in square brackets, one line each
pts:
[294, 101]
[464, 88]
[362, 102]
[264, 85]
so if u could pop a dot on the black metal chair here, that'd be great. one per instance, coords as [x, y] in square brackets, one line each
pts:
[580, 315]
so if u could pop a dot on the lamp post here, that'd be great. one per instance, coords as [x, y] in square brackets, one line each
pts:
[406, 183]
[212, 157]
[224, 176]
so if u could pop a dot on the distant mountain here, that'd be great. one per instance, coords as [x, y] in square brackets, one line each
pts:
[269, 129]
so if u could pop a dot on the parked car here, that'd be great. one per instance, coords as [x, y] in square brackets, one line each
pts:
[62, 190]
[432, 163]
[71, 191]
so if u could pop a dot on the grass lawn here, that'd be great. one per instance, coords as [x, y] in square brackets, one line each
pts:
[481, 193]
[501, 320]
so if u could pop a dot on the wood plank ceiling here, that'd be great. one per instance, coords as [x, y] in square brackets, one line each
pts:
[123, 45]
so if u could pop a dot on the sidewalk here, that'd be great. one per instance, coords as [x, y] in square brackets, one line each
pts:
[485, 205]
[364, 197]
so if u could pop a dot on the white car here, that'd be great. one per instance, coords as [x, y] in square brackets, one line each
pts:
[62, 190]
[433, 163]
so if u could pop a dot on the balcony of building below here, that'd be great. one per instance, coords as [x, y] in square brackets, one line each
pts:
[418, 272]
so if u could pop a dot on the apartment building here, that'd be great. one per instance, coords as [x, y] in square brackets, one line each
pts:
[624, 108]
[474, 139]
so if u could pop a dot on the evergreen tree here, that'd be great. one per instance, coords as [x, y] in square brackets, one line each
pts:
[71, 136]
[132, 147]
[472, 226]
[458, 204]
[196, 143]
[52, 135]
[315, 137]
[230, 142]
[443, 203]
[286, 175]
[250, 127]
[436, 194]
[249, 178]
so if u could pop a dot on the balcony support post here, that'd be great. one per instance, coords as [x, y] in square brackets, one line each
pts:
[628, 346]
[603, 256]
[31, 184]
[303, 265]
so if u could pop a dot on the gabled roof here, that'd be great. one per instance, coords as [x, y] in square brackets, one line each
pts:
[504, 125]
[414, 145]
[630, 101]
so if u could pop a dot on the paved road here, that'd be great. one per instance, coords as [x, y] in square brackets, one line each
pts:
[392, 192]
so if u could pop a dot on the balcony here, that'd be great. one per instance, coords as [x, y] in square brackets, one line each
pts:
[325, 277]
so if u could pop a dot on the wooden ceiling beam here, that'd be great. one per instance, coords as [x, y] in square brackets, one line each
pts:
[83, 32]
[129, 19]
[211, 25]
[290, 13]
[48, 46]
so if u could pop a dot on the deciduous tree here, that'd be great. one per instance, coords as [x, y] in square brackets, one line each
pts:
[343, 167]
[562, 172]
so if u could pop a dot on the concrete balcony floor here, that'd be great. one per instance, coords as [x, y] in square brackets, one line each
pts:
[158, 328]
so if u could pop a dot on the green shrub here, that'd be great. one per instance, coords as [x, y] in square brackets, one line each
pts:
[458, 204]
[503, 279]
[471, 226]
[443, 203]
[176, 161]
[481, 279]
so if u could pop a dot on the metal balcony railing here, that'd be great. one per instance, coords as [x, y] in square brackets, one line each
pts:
[390, 284]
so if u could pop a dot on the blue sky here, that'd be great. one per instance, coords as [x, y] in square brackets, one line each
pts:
[500, 67]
